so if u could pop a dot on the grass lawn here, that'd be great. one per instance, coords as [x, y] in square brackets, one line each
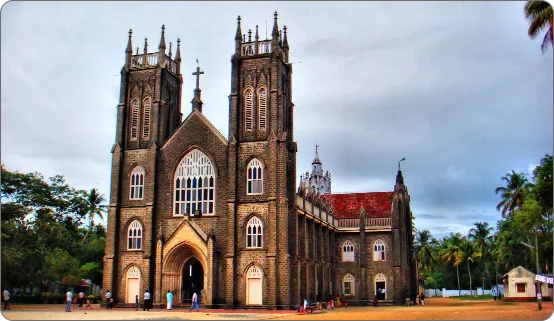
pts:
[479, 297]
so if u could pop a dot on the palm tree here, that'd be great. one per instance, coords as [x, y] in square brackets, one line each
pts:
[480, 234]
[539, 14]
[513, 193]
[468, 253]
[94, 208]
[449, 253]
[424, 250]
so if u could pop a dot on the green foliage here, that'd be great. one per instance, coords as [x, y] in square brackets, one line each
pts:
[539, 14]
[42, 230]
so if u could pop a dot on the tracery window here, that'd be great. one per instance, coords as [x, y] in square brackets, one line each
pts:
[134, 236]
[134, 118]
[248, 109]
[146, 103]
[137, 183]
[255, 177]
[348, 251]
[348, 284]
[194, 185]
[254, 233]
[378, 251]
[262, 106]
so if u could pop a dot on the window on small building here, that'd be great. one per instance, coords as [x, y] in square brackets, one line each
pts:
[347, 251]
[378, 251]
[348, 284]
[254, 233]
[137, 183]
[255, 177]
[134, 236]
[520, 287]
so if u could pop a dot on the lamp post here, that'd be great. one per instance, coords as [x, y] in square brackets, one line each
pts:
[536, 248]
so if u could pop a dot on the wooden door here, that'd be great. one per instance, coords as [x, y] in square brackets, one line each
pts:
[132, 290]
[254, 291]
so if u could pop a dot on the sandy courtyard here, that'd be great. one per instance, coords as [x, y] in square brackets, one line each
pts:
[435, 309]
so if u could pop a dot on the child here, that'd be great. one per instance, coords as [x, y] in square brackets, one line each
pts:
[136, 302]
[111, 303]
[88, 305]
[74, 302]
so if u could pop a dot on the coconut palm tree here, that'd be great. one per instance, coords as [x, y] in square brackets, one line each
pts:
[94, 208]
[468, 253]
[539, 14]
[424, 250]
[513, 193]
[480, 235]
[449, 252]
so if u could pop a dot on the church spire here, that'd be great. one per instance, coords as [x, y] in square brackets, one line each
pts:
[161, 49]
[316, 159]
[162, 40]
[178, 56]
[399, 178]
[238, 35]
[285, 42]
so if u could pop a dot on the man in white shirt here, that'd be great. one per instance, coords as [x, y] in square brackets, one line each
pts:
[68, 300]
[108, 297]
[146, 301]
[6, 299]
[194, 302]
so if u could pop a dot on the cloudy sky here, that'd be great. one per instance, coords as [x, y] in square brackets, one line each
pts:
[457, 88]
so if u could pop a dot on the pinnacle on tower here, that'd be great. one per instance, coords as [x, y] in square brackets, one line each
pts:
[129, 44]
[178, 56]
[275, 32]
[169, 54]
[256, 37]
[316, 159]
[285, 42]
[249, 35]
[162, 39]
[239, 32]
[145, 46]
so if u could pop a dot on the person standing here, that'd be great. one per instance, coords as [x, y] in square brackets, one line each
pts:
[422, 298]
[169, 300]
[108, 297]
[494, 294]
[194, 302]
[146, 301]
[81, 299]
[6, 299]
[136, 302]
[68, 300]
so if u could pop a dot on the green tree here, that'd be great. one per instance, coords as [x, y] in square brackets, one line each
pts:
[449, 252]
[513, 193]
[539, 14]
[480, 235]
[424, 250]
[468, 253]
[61, 266]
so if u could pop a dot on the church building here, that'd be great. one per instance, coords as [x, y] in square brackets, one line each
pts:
[192, 210]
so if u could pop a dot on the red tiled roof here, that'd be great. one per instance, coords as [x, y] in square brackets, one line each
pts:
[376, 204]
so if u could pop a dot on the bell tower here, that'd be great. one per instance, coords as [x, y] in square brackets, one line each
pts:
[262, 152]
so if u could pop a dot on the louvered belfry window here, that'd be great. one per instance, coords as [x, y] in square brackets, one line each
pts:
[248, 109]
[146, 122]
[134, 118]
[262, 105]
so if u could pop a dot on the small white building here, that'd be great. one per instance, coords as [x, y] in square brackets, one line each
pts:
[519, 284]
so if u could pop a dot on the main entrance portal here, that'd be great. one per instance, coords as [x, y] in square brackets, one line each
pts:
[192, 280]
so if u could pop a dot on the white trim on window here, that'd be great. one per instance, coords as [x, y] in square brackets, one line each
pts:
[347, 251]
[136, 189]
[254, 233]
[248, 109]
[348, 284]
[194, 185]
[134, 118]
[255, 177]
[379, 251]
[262, 108]
[147, 104]
[134, 236]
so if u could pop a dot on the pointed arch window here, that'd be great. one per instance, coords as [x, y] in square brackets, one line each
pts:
[378, 251]
[134, 118]
[348, 284]
[254, 233]
[136, 191]
[147, 106]
[194, 185]
[134, 236]
[248, 109]
[262, 106]
[255, 178]
[348, 251]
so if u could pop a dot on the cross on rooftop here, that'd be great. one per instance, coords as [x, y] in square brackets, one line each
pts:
[197, 73]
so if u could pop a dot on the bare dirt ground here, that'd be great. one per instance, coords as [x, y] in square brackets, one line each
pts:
[434, 309]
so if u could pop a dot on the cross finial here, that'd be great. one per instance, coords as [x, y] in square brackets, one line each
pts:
[197, 73]
[316, 146]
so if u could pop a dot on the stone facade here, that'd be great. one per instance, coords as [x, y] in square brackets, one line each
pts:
[242, 186]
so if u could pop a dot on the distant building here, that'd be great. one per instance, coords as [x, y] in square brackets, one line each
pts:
[519, 284]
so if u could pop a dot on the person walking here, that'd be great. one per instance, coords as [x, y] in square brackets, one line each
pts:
[108, 297]
[194, 302]
[81, 299]
[422, 298]
[169, 296]
[136, 302]
[494, 294]
[68, 300]
[6, 299]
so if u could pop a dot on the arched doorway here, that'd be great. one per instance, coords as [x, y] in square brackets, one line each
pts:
[254, 291]
[380, 286]
[132, 279]
[192, 280]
